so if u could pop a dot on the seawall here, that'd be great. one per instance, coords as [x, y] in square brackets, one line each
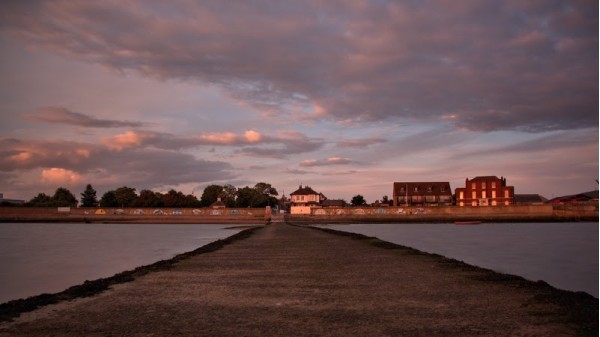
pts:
[134, 215]
[514, 213]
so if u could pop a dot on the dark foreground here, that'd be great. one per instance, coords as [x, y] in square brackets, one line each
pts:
[293, 281]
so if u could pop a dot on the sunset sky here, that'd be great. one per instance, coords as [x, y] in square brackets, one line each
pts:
[344, 96]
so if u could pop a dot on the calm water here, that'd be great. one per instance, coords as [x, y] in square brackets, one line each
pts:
[48, 258]
[564, 255]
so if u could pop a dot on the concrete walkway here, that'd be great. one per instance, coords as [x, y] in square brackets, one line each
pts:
[292, 281]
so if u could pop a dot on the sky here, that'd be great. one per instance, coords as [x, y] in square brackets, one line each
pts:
[346, 96]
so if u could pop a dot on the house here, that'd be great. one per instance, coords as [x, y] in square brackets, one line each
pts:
[306, 196]
[304, 199]
[422, 194]
[485, 191]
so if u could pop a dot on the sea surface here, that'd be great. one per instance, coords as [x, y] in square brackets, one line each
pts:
[38, 258]
[565, 255]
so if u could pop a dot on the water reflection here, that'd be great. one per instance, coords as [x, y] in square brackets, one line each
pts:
[48, 258]
[564, 255]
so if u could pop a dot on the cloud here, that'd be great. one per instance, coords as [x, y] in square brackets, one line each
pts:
[58, 176]
[72, 163]
[252, 142]
[360, 143]
[493, 65]
[326, 162]
[61, 115]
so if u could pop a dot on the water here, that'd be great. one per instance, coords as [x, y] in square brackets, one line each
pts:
[565, 255]
[40, 258]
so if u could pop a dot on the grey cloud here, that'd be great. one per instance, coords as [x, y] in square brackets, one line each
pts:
[62, 115]
[360, 143]
[281, 145]
[481, 65]
[137, 167]
[326, 162]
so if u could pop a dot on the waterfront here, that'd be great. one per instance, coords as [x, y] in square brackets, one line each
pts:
[565, 255]
[40, 258]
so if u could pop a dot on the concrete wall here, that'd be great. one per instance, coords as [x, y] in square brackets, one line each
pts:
[515, 213]
[543, 210]
[301, 210]
[145, 215]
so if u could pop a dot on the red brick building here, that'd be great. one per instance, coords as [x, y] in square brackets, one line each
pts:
[422, 194]
[485, 191]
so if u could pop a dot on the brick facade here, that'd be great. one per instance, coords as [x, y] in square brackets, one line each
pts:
[485, 191]
[422, 194]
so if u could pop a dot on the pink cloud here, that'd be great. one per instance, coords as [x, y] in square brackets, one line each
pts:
[58, 176]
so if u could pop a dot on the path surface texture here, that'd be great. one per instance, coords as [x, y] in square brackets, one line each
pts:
[294, 281]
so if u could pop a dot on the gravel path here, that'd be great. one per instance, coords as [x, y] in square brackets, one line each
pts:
[294, 281]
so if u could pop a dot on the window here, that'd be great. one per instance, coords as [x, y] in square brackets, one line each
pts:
[483, 185]
[402, 189]
[429, 188]
[416, 188]
[506, 195]
[493, 184]
[474, 195]
[430, 198]
[483, 194]
[473, 186]
[493, 194]
[462, 195]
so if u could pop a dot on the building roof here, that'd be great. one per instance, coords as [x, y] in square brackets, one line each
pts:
[591, 195]
[529, 199]
[306, 190]
[333, 203]
[485, 178]
[422, 188]
[218, 204]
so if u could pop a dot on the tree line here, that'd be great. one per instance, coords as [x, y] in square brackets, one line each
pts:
[260, 195]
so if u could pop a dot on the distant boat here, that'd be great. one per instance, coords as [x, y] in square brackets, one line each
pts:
[467, 222]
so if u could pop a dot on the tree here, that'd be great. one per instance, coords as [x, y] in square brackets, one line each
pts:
[88, 197]
[358, 200]
[266, 195]
[385, 199]
[174, 199]
[244, 197]
[109, 199]
[40, 200]
[228, 195]
[265, 189]
[149, 198]
[261, 195]
[210, 195]
[63, 198]
[125, 196]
